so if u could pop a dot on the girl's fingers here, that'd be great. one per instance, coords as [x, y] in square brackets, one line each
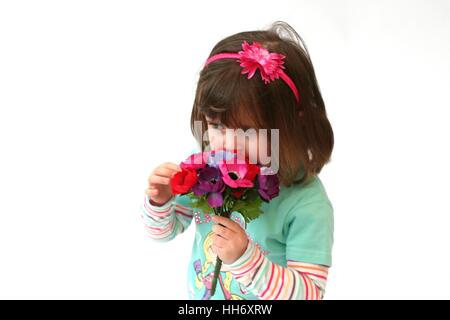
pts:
[158, 180]
[152, 192]
[219, 242]
[164, 172]
[171, 166]
[216, 248]
[222, 231]
[227, 223]
[151, 188]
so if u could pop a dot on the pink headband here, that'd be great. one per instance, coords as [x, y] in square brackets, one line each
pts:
[255, 56]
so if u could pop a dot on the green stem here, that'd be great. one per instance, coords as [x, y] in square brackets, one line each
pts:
[218, 266]
[216, 276]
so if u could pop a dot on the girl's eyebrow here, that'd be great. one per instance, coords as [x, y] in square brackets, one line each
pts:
[213, 121]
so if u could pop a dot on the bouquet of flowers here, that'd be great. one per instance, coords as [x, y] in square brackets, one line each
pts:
[219, 180]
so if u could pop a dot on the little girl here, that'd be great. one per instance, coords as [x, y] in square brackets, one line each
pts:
[262, 80]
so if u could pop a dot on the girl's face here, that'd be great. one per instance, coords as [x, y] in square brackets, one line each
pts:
[244, 140]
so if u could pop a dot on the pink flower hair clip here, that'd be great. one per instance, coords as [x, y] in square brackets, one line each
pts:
[255, 57]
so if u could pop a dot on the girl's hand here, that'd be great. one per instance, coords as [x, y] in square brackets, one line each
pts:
[229, 241]
[159, 190]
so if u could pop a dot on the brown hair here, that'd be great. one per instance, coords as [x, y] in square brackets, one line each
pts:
[305, 134]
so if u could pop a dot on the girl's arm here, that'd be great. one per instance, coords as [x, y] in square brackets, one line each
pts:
[164, 223]
[271, 281]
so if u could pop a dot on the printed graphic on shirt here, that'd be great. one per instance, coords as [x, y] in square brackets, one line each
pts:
[205, 269]
[205, 273]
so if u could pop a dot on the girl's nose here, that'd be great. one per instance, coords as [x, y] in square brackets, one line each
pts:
[231, 143]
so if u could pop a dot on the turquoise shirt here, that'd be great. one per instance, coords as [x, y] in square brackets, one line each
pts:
[297, 225]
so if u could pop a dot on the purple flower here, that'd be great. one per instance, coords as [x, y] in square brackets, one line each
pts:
[210, 183]
[268, 186]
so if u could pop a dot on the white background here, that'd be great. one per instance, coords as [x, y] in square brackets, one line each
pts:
[95, 94]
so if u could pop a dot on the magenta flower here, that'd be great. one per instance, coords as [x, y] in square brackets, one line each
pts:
[255, 56]
[238, 175]
[195, 161]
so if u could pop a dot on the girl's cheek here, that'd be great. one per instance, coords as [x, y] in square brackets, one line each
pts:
[222, 139]
[215, 138]
[258, 150]
[252, 150]
[229, 141]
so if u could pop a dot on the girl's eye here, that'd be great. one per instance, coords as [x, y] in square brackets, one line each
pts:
[217, 126]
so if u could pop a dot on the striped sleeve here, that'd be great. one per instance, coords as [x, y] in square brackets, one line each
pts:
[164, 223]
[271, 281]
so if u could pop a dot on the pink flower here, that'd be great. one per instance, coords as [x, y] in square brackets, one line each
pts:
[195, 161]
[238, 175]
[255, 56]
